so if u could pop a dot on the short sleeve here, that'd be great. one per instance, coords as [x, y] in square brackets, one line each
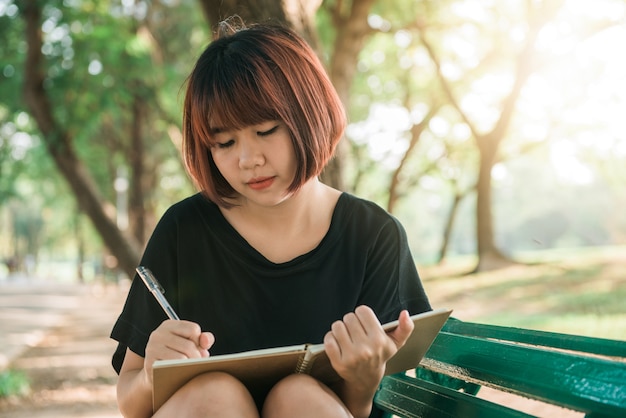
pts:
[392, 282]
[141, 313]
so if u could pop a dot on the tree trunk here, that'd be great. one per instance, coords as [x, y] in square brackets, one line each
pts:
[489, 256]
[352, 30]
[298, 14]
[447, 231]
[136, 198]
[60, 148]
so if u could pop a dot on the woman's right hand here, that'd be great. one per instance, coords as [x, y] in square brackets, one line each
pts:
[176, 339]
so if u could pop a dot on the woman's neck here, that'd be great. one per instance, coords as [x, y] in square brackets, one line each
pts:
[292, 228]
[294, 210]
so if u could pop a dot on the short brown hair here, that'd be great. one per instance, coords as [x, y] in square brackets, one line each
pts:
[252, 75]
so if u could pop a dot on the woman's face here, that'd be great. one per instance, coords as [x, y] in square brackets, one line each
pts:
[258, 161]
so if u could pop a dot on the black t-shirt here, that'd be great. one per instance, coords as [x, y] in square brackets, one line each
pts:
[213, 277]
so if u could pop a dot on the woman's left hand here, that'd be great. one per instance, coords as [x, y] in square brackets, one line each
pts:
[358, 349]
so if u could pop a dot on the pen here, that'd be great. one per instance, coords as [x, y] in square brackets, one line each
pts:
[157, 290]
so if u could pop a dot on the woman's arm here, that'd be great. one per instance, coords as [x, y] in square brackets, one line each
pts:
[134, 389]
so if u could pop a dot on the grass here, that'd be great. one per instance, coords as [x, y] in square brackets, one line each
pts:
[13, 383]
[577, 292]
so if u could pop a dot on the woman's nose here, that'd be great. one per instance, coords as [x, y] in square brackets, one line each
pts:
[250, 154]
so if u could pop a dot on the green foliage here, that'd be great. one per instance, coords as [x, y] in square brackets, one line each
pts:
[13, 383]
[10, 169]
[104, 60]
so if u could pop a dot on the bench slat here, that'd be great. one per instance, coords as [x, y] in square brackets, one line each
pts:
[415, 398]
[592, 345]
[582, 383]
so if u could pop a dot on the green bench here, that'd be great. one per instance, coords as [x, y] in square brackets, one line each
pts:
[578, 373]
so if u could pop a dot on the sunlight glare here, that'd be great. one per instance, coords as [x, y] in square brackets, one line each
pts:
[602, 9]
[567, 165]
[579, 92]
[471, 9]
[499, 172]
[439, 126]
[403, 38]
[384, 132]
[461, 132]
[541, 93]
[556, 39]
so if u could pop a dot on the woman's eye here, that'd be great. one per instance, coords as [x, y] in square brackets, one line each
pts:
[268, 132]
[225, 144]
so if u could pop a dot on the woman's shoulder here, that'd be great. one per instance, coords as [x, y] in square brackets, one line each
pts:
[361, 209]
[356, 216]
[193, 211]
[364, 223]
[193, 203]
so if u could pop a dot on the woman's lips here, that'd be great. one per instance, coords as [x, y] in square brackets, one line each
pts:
[260, 183]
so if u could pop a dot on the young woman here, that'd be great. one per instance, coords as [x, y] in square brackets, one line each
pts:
[266, 255]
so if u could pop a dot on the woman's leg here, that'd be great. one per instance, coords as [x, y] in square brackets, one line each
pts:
[210, 395]
[302, 396]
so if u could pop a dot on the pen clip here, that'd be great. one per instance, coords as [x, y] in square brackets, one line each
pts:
[151, 282]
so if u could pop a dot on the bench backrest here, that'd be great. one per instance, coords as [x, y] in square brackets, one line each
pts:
[580, 373]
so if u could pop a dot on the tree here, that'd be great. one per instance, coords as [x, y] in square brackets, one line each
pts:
[489, 255]
[101, 81]
[59, 144]
[93, 80]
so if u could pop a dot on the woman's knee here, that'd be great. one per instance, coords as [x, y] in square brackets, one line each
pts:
[211, 394]
[301, 395]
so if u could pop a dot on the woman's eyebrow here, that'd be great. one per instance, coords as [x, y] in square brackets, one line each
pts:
[216, 130]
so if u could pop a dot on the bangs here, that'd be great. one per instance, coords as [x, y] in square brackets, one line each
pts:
[238, 94]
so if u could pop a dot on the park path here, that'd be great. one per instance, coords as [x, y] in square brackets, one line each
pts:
[57, 334]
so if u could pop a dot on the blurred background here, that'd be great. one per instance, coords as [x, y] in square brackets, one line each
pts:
[494, 130]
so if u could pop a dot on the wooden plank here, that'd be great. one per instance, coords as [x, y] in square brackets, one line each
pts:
[582, 383]
[409, 397]
[592, 345]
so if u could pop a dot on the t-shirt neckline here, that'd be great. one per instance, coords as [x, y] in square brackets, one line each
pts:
[333, 233]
